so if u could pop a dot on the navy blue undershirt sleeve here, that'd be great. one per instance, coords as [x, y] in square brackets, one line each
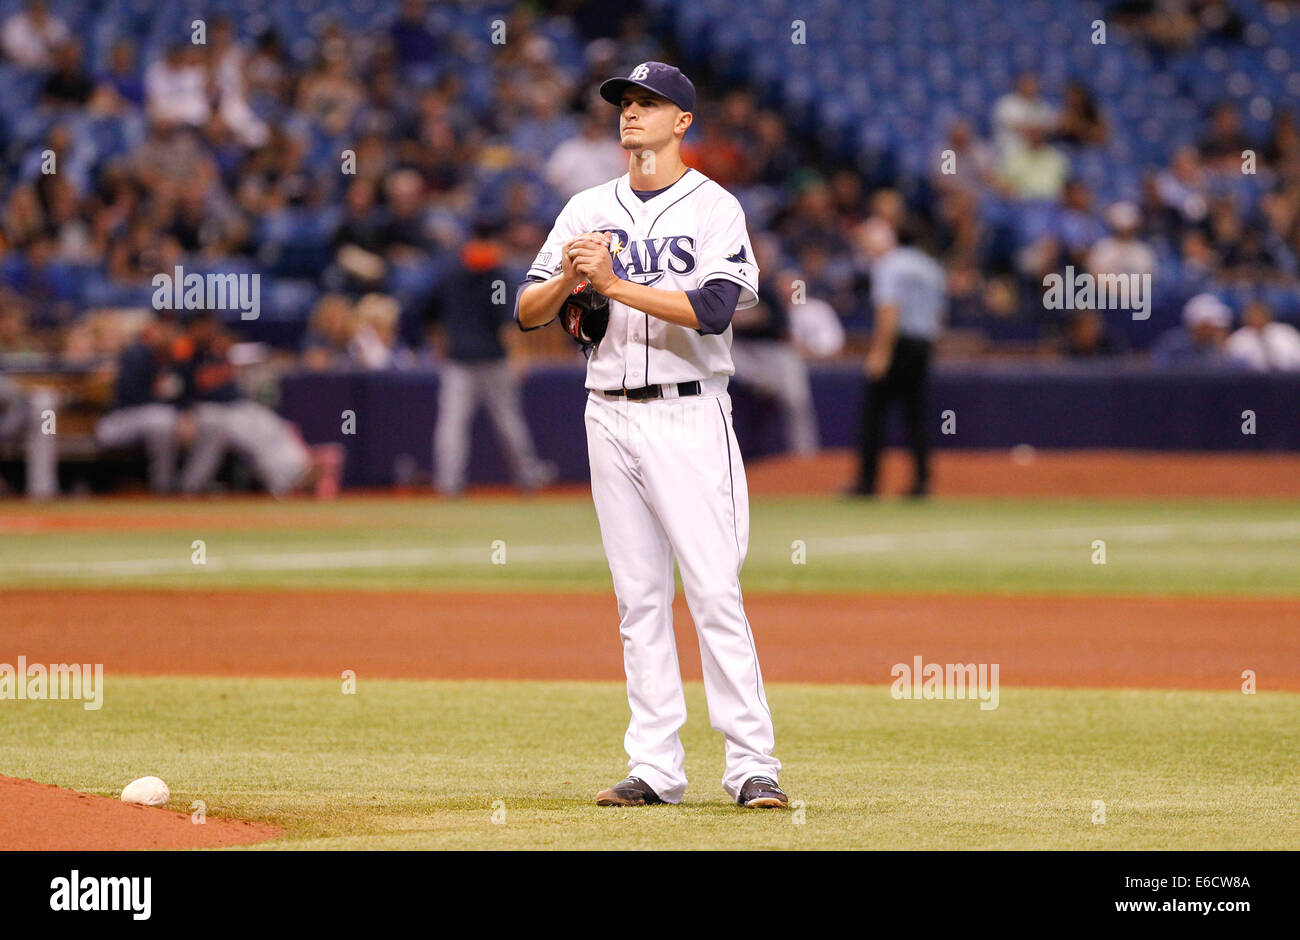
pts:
[530, 280]
[714, 303]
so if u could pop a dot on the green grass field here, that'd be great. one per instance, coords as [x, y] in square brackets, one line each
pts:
[428, 764]
[999, 546]
[424, 765]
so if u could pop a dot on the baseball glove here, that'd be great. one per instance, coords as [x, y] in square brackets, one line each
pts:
[585, 315]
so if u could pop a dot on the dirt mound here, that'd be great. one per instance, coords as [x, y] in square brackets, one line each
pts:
[1026, 472]
[38, 817]
[1084, 641]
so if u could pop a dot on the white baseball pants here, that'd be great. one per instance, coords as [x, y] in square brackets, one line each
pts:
[668, 481]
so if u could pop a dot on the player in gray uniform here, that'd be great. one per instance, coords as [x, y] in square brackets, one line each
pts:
[21, 419]
[475, 370]
[144, 409]
[224, 420]
[766, 358]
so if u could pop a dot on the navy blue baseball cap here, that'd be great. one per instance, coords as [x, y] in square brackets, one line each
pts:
[663, 80]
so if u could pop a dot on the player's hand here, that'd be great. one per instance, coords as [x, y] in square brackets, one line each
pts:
[594, 262]
[567, 259]
[569, 255]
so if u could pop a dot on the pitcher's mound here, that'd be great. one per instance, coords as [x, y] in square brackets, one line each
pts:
[36, 816]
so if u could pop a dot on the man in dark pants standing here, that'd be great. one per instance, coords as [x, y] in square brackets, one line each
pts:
[909, 293]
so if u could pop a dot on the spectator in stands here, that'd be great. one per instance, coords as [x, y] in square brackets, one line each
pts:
[1081, 122]
[1065, 238]
[1247, 252]
[227, 62]
[848, 199]
[413, 42]
[1283, 147]
[122, 83]
[720, 150]
[974, 164]
[374, 343]
[1263, 344]
[31, 36]
[1184, 186]
[1122, 252]
[1200, 340]
[329, 94]
[468, 322]
[770, 152]
[325, 344]
[1076, 224]
[146, 393]
[361, 239]
[1200, 265]
[909, 294]
[176, 87]
[1087, 337]
[544, 126]
[765, 357]
[1035, 169]
[812, 219]
[1020, 112]
[1224, 141]
[589, 159]
[68, 85]
[405, 235]
[22, 420]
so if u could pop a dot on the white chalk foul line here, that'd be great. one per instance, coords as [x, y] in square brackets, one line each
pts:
[990, 538]
[883, 542]
[304, 561]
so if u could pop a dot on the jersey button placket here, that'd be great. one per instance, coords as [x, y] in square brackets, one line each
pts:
[635, 345]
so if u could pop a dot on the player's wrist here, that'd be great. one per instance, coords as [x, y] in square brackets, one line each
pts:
[608, 286]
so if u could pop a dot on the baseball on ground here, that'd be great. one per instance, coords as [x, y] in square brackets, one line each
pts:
[147, 790]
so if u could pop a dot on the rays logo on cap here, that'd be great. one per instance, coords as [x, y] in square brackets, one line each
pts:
[640, 73]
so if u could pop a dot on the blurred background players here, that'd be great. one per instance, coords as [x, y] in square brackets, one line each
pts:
[909, 293]
[223, 420]
[144, 411]
[765, 356]
[22, 416]
[469, 316]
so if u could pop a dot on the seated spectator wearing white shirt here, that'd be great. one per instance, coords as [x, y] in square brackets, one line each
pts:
[176, 87]
[1262, 343]
[1122, 252]
[591, 158]
[1035, 169]
[1019, 111]
[29, 38]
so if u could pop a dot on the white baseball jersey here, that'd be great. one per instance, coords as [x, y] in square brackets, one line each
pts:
[691, 233]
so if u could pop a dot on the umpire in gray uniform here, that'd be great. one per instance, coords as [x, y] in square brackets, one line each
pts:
[474, 369]
[909, 294]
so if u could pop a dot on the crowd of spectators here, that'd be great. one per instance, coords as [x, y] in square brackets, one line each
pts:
[232, 154]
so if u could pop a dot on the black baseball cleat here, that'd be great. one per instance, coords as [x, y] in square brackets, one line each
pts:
[633, 791]
[762, 793]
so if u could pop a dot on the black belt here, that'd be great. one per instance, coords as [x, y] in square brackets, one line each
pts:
[653, 391]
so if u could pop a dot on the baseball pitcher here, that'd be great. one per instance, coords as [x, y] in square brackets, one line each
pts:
[646, 271]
